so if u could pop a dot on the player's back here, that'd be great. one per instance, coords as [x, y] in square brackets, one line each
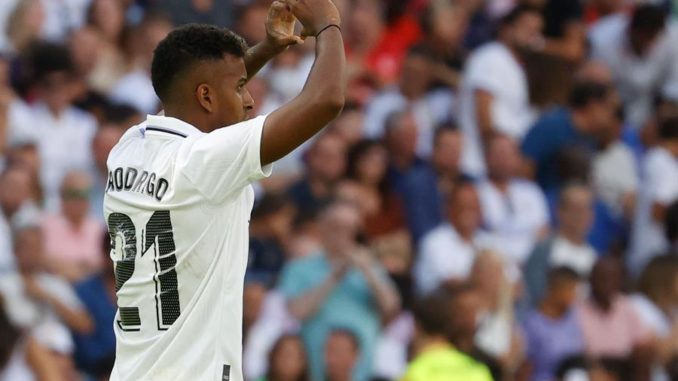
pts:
[177, 205]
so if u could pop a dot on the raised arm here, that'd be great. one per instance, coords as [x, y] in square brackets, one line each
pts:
[279, 35]
[322, 98]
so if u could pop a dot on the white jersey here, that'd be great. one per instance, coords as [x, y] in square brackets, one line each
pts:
[177, 205]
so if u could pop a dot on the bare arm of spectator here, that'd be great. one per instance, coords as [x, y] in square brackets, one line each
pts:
[77, 319]
[528, 169]
[628, 204]
[642, 358]
[41, 362]
[72, 272]
[572, 46]
[659, 212]
[483, 101]
[306, 305]
[668, 347]
[446, 75]
[385, 294]
[5, 99]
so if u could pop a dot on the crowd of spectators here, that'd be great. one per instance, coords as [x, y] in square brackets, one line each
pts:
[497, 201]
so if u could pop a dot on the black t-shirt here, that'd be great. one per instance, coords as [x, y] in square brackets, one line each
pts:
[558, 13]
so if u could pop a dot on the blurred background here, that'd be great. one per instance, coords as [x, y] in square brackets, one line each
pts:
[503, 183]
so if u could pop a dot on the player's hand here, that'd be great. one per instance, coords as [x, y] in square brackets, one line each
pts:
[314, 15]
[280, 26]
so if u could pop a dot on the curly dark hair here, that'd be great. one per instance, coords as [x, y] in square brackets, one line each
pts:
[187, 45]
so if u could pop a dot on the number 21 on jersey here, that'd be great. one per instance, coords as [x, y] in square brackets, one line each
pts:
[159, 237]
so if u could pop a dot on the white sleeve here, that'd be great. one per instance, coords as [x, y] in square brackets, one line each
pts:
[541, 206]
[61, 290]
[663, 188]
[483, 74]
[225, 160]
[629, 177]
[427, 274]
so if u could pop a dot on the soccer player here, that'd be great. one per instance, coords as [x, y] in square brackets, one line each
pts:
[178, 198]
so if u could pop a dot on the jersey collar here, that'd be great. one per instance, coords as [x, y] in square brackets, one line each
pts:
[169, 125]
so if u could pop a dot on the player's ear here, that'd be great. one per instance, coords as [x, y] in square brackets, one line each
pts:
[204, 95]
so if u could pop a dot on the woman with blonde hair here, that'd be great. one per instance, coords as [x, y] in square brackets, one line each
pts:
[25, 25]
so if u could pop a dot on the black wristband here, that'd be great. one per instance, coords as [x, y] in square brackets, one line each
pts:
[327, 27]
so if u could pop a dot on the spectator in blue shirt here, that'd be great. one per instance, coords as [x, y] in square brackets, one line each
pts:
[400, 139]
[593, 111]
[325, 164]
[339, 287]
[270, 229]
[95, 352]
[425, 187]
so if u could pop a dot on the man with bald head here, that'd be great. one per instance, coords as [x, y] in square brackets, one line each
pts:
[569, 246]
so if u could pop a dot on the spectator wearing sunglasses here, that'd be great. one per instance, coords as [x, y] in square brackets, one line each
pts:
[72, 237]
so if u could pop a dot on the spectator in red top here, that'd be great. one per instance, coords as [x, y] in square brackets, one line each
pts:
[376, 44]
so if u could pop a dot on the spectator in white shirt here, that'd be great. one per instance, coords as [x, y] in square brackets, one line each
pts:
[641, 52]
[14, 193]
[658, 190]
[615, 173]
[273, 322]
[514, 210]
[40, 301]
[43, 304]
[494, 92]
[22, 358]
[428, 107]
[447, 253]
[63, 133]
[568, 247]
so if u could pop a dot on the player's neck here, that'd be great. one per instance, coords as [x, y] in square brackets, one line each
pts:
[182, 113]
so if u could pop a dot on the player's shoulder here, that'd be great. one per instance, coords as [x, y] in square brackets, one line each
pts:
[134, 132]
[256, 121]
